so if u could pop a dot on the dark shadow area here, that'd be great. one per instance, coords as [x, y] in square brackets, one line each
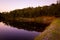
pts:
[13, 18]
[31, 26]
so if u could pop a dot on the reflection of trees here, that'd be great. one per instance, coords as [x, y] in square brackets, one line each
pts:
[32, 26]
[15, 17]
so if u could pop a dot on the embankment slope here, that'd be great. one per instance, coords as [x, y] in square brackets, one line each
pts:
[52, 32]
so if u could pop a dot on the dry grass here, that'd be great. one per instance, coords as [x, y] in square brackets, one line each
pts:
[52, 32]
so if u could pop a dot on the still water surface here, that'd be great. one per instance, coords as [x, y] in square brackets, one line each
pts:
[8, 32]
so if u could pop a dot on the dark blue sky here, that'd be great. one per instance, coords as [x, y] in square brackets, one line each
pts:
[7, 5]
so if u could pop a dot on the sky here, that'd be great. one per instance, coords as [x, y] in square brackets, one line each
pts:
[8, 5]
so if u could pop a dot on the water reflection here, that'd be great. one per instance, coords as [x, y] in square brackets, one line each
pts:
[10, 33]
[31, 26]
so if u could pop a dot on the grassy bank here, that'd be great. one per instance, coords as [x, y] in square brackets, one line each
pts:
[52, 32]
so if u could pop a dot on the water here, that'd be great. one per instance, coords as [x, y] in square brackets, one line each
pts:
[8, 32]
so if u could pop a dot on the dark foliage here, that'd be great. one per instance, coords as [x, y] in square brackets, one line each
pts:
[52, 10]
[15, 15]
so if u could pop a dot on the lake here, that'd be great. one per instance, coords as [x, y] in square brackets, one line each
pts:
[8, 32]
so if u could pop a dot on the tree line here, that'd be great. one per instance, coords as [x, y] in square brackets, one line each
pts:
[30, 12]
[14, 17]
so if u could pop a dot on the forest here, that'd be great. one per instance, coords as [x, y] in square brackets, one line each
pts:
[32, 14]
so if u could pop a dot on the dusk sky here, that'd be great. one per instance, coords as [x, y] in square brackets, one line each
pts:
[8, 5]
